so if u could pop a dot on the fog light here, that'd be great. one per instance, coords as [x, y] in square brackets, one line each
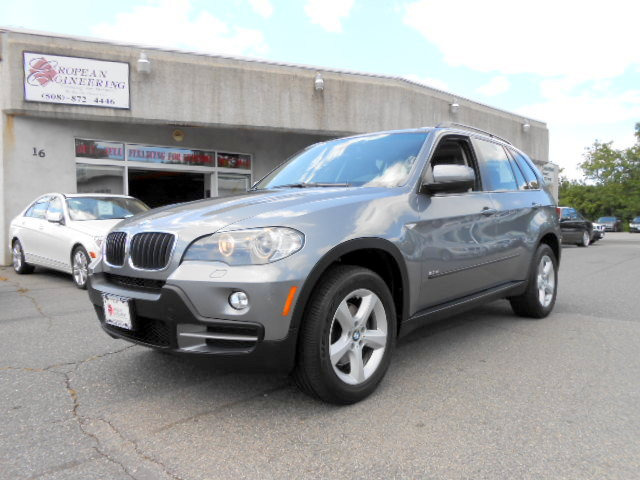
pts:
[239, 300]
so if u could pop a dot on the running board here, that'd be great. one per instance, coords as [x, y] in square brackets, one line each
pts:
[444, 310]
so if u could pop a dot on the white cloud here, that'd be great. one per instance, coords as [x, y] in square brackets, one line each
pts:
[262, 7]
[496, 86]
[428, 81]
[579, 38]
[577, 47]
[576, 115]
[329, 14]
[175, 24]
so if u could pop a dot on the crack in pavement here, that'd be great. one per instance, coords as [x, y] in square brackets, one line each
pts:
[82, 425]
[138, 450]
[62, 468]
[75, 364]
[22, 291]
[83, 420]
[74, 414]
[221, 408]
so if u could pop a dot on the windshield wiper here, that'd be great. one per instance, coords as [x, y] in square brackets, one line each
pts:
[312, 184]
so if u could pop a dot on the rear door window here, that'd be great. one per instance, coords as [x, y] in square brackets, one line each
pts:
[38, 209]
[529, 175]
[496, 171]
[520, 180]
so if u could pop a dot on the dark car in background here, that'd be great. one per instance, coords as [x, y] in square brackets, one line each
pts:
[575, 228]
[634, 225]
[611, 224]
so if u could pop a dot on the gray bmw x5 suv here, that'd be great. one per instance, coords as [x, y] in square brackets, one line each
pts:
[334, 254]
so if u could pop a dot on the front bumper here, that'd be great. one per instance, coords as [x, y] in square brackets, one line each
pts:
[164, 318]
[634, 229]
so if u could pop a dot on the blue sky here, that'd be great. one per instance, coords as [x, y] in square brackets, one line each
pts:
[573, 64]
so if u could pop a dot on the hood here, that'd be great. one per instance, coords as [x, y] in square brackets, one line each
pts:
[207, 216]
[95, 228]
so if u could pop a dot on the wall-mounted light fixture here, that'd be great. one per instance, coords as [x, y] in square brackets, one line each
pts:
[526, 127]
[178, 135]
[454, 107]
[318, 82]
[144, 65]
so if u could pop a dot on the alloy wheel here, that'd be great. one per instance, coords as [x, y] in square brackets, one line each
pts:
[80, 268]
[546, 281]
[358, 336]
[585, 238]
[17, 256]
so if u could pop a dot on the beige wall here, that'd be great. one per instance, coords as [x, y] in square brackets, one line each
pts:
[213, 91]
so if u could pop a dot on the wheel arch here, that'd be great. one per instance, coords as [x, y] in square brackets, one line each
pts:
[552, 239]
[377, 254]
[74, 246]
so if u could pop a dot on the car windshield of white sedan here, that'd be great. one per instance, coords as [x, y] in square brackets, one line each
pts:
[103, 208]
[382, 160]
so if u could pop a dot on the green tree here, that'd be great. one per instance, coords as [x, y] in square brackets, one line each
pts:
[612, 185]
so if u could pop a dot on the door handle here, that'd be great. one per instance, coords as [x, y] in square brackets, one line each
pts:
[487, 212]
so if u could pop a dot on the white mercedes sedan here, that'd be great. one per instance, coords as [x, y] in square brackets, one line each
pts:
[65, 231]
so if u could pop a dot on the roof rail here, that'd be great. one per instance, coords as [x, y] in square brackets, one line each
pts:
[469, 127]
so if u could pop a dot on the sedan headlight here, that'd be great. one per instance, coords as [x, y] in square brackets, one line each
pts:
[255, 246]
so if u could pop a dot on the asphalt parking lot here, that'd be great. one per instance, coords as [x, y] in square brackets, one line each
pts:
[482, 395]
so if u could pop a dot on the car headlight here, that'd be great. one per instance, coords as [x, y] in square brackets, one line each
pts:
[255, 246]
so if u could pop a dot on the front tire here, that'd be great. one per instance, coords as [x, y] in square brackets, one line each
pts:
[20, 266]
[347, 336]
[540, 296]
[80, 267]
[586, 239]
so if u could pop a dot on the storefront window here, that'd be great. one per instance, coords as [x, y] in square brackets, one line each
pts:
[175, 156]
[234, 160]
[230, 184]
[100, 150]
[100, 179]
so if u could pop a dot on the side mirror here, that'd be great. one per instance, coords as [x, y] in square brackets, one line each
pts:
[450, 178]
[55, 217]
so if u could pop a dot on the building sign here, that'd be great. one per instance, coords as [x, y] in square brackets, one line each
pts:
[234, 160]
[178, 156]
[75, 81]
[95, 149]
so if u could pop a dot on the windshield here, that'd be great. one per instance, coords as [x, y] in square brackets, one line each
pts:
[636, 220]
[383, 160]
[607, 219]
[103, 208]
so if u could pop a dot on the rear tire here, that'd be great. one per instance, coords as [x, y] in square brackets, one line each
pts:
[347, 336]
[20, 266]
[540, 296]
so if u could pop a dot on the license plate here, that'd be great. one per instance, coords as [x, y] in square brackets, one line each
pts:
[117, 311]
